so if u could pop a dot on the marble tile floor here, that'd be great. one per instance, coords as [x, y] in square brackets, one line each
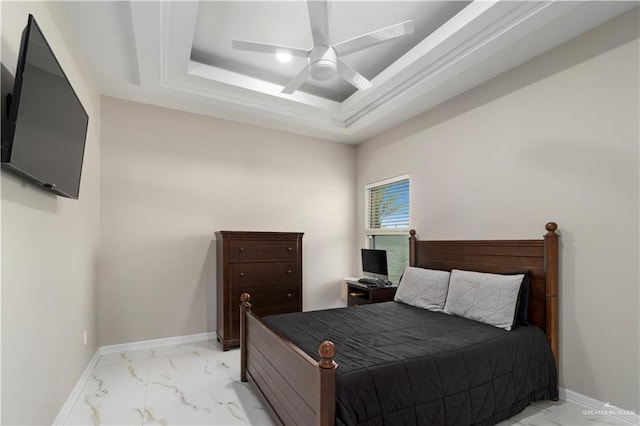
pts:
[198, 384]
[185, 384]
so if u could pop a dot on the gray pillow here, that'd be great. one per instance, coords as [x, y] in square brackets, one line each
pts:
[423, 288]
[488, 298]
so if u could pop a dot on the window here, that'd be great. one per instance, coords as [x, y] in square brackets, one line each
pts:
[387, 221]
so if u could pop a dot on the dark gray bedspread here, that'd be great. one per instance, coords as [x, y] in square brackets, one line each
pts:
[401, 365]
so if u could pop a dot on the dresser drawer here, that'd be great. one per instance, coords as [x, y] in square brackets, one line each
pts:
[263, 274]
[265, 301]
[256, 251]
[267, 297]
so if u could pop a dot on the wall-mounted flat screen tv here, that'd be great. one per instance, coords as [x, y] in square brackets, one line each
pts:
[44, 138]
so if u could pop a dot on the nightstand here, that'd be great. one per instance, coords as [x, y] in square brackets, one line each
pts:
[359, 294]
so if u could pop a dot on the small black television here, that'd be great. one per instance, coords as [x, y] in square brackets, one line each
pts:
[374, 263]
[46, 125]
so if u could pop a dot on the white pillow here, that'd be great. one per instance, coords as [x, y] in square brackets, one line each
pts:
[423, 288]
[488, 298]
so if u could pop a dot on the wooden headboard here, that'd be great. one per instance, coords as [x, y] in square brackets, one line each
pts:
[539, 257]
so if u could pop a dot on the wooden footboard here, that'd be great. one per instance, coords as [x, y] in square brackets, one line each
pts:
[294, 387]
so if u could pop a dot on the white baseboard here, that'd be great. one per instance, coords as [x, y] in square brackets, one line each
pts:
[599, 407]
[148, 344]
[65, 411]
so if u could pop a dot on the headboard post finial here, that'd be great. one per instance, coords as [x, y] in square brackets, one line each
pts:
[244, 299]
[551, 294]
[412, 247]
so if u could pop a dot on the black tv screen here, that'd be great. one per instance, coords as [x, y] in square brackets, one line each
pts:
[46, 125]
[374, 263]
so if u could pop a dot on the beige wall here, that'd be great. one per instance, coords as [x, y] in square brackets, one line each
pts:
[171, 179]
[49, 251]
[554, 139]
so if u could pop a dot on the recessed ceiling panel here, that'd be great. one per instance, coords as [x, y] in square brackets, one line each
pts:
[287, 24]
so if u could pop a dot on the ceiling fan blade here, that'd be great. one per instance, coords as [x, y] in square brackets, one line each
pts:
[319, 19]
[267, 48]
[352, 76]
[297, 81]
[374, 38]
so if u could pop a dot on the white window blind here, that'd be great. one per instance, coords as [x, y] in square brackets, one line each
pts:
[388, 205]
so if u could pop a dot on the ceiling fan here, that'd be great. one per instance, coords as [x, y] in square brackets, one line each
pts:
[324, 58]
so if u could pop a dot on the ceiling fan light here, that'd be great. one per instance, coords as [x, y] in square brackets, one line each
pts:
[323, 63]
[323, 70]
[283, 56]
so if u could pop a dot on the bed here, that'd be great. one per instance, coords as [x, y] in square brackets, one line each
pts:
[301, 386]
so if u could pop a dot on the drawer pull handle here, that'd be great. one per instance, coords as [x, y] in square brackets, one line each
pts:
[289, 249]
[289, 272]
[241, 274]
[289, 295]
[241, 249]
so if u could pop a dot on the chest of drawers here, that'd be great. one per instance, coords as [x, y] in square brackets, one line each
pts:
[267, 265]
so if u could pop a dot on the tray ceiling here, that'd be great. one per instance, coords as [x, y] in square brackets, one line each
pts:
[178, 55]
[287, 24]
